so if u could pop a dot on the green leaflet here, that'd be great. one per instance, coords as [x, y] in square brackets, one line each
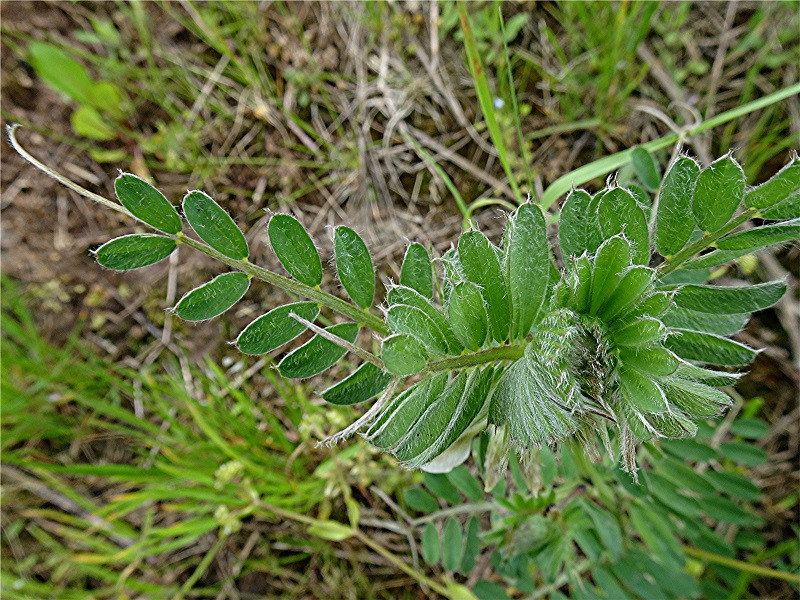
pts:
[650, 361]
[606, 527]
[728, 300]
[317, 354]
[714, 258]
[362, 384]
[467, 312]
[404, 411]
[654, 305]
[275, 328]
[684, 318]
[481, 266]
[639, 332]
[579, 230]
[472, 545]
[760, 237]
[714, 378]
[694, 398]
[612, 258]
[214, 225]
[709, 348]
[420, 500]
[717, 193]
[783, 185]
[526, 266]
[354, 266]
[788, 209]
[295, 249]
[134, 251]
[442, 424]
[672, 425]
[635, 280]
[403, 354]
[645, 168]
[640, 391]
[405, 295]
[673, 227]
[146, 203]
[417, 271]
[734, 485]
[430, 544]
[452, 545]
[530, 403]
[582, 295]
[213, 298]
[412, 321]
[618, 212]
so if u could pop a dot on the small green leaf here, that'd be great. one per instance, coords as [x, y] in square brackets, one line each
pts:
[295, 249]
[708, 376]
[421, 501]
[618, 212]
[317, 354]
[645, 168]
[695, 399]
[709, 348]
[61, 72]
[213, 298]
[489, 590]
[362, 384]
[452, 545]
[734, 485]
[147, 204]
[526, 266]
[403, 354]
[466, 483]
[275, 328]
[606, 527]
[785, 184]
[412, 321]
[613, 256]
[639, 332]
[214, 225]
[788, 209]
[417, 271]
[761, 237]
[405, 409]
[88, 122]
[331, 530]
[467, 312]
[134, 251]
[712, 259]
[640, 392]
[722, 509]
[635, 280]
[441, 487]
[721, 300]
[717, 193]
[472, 546]
[579, 230]
[684, 318]
[354, 266]
[753, 429]
[481, 266]
[673, 225]
[430, 544]
[400, 294]
[743, 453]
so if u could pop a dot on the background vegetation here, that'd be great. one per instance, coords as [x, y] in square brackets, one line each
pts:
[144, 458]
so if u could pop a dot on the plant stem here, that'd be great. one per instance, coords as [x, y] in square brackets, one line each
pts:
[291, 286]
[741, 565]
[510, 352]
[674, 262]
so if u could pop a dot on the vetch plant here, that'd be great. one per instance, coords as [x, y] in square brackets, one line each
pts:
[617, 342]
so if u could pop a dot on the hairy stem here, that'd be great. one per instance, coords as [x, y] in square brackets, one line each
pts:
[291, 286]
[491, 355]
[674, 262]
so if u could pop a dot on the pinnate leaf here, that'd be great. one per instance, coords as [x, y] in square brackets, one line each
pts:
[213, 298]
[276, 328]
[717, 193]
[317, 354]
[134, 251]
[295, 249]
[354, 266]
[214, 225]
[146, 203]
